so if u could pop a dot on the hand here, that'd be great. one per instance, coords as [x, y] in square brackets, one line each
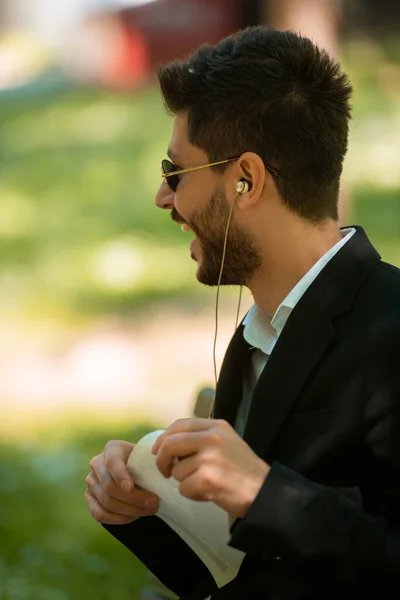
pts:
[111, 495]
[212, 463]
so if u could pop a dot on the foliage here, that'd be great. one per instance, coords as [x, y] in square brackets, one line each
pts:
[79, 232]
[51, 548]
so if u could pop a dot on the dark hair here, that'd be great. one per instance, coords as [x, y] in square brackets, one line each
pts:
[274, 93]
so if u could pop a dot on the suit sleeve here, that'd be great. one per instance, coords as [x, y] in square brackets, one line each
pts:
[165, 554]
[319, 529]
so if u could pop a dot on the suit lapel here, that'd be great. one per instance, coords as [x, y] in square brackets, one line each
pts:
[230, 383]
[302, 343]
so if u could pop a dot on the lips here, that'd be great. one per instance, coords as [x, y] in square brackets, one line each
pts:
[176, 217]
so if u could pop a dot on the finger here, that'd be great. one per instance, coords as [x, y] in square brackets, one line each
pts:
[181, 426]
[182, 469]
[111, 496]
[195, 487]
[116, 454]
[110, 466]
[107, 482]
[179, 445]
[103, 516]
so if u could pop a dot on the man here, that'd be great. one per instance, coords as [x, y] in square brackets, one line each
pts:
[304, 450]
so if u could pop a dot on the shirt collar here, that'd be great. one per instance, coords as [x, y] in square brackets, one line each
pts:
[262, 332]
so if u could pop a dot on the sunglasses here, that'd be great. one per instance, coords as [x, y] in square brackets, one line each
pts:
[170, 172]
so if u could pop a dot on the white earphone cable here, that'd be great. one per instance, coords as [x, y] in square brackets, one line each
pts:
[217, 299]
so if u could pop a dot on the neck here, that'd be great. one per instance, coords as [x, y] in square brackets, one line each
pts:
[288, 257]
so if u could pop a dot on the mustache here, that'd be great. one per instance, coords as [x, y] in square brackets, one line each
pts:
[177, 218]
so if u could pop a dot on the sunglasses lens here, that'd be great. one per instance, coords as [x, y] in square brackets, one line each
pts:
[173, 180]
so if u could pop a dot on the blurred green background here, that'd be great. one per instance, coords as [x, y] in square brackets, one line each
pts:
[81, 242]
[79, 233]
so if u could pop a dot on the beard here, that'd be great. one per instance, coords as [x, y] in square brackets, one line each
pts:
[242, 260]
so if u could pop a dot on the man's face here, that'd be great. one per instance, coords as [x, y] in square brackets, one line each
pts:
[200, 201]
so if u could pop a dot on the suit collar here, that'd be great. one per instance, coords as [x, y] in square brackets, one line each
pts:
[344, 274]
[261, 331]
[303, 341]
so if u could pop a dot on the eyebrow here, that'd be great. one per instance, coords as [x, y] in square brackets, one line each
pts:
[173, 156]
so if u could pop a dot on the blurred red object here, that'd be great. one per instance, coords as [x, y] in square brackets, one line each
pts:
[173, 28]
[156, 32]
[128, 61]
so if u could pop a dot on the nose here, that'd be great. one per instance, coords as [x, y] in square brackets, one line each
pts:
[165, 197]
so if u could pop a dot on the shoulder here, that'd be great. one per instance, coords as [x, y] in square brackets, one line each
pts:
[388, 272]
[381, 288]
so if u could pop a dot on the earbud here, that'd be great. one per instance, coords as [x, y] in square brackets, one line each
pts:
[242, 186]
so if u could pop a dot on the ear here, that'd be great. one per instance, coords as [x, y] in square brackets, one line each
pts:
[251, 168]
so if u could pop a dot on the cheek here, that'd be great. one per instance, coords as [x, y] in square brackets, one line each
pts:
[187, 210]
[183, 202]
[196, 206]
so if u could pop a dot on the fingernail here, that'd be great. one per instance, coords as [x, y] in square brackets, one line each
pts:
[151, 504]
[126, 486]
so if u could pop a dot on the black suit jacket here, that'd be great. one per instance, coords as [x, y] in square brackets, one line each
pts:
[325, 415]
